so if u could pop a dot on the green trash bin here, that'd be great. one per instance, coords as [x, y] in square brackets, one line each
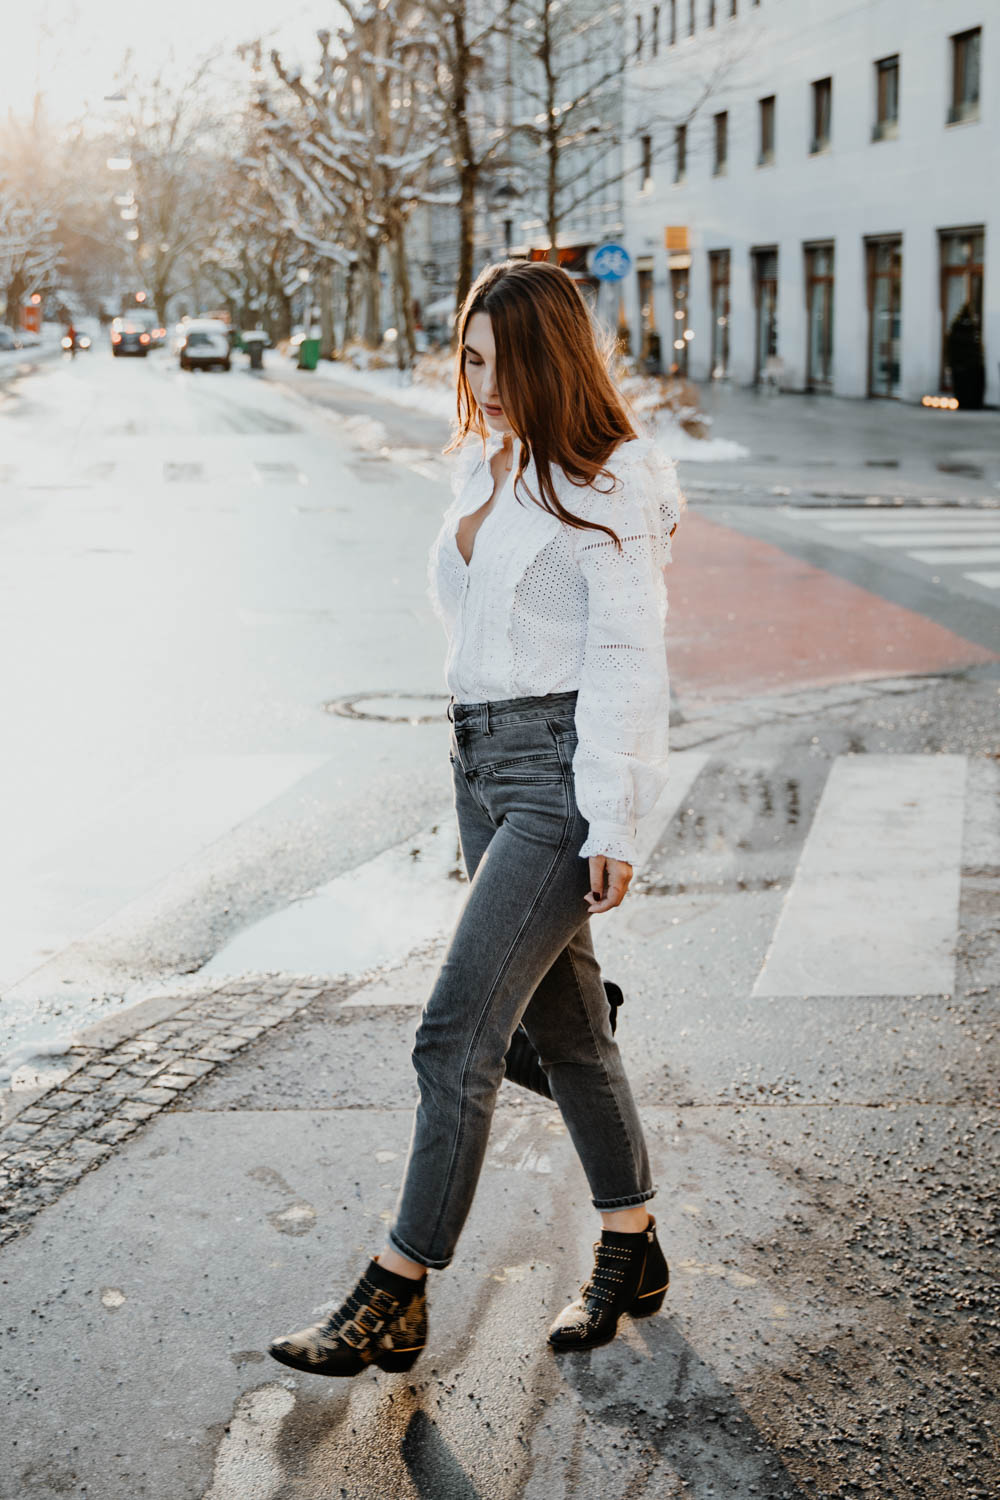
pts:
[308, 354]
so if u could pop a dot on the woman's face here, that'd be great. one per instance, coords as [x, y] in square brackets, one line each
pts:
[481, 371]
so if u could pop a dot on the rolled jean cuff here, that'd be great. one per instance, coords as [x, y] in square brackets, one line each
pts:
[411, 1254]
[607, 1204]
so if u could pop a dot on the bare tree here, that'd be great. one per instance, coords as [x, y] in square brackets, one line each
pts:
[173, 140]
[33, 190]
[349, 162]
[572, 65]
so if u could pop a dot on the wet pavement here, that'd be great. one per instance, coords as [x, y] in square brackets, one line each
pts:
[214, 1168]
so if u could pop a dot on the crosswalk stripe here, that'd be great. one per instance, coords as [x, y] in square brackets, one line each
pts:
[873, 906]
[859, 517]
[987, 580]
[933, 538]
[907, 520]
[958, 555]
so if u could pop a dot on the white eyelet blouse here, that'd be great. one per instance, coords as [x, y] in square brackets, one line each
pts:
[545, 608]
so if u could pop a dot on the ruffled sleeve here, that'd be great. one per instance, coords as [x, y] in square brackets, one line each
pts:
[623, 702]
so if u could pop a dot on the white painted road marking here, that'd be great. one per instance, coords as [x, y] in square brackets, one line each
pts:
[950, 538]
[862, 518]
[873, 907]
[958, 556]
[987, 580]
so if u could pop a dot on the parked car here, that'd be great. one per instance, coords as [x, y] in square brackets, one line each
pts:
[129, 337]
[8, 339]
[205, 342]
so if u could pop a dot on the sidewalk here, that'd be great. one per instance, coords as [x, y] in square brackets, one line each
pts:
[215, 1167]
[827, 449]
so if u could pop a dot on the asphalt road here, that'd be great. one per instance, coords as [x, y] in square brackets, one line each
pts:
[193, 567]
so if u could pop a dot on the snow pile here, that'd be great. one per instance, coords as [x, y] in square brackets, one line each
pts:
[667, 410]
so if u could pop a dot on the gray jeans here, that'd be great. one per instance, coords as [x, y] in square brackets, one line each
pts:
[521, 952]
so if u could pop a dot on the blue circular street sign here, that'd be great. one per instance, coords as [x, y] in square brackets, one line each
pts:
[610, 262]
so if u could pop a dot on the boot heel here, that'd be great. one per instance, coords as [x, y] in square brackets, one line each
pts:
[648, 1303]
[397, 1360]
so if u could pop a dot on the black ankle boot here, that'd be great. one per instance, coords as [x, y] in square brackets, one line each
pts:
[630, 1275]
[382, 1322]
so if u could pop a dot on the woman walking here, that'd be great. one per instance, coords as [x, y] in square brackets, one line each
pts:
[547, 575]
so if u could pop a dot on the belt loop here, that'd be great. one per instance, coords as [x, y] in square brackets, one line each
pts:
[485, 718]
[448, 711]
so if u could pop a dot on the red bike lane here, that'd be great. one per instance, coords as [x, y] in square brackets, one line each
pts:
[747, 618]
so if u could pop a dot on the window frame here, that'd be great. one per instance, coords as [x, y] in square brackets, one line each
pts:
[821, 87]
[646, 163]
[720, 136]
[766, 157]
[885, 127]
[964, 110]
[680, 153]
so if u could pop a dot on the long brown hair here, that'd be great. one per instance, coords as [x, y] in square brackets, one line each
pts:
[553, 378]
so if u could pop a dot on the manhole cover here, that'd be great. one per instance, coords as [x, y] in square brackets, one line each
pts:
[391, 708]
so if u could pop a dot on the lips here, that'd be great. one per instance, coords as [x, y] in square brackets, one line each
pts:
[494, 411]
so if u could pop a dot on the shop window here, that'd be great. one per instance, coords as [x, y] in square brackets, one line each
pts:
[885, 315]
[718, 280]
[765, 286]
[819, 313]
[962, 255]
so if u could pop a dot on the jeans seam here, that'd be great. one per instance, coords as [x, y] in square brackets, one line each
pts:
[597, 1050]
[501, 971]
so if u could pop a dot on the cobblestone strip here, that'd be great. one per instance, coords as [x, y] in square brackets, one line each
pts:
[111, 1092]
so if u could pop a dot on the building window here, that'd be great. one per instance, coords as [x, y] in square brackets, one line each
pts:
[961, 283]
[964, 76]
[646, 143]
[691, 17]
[680, 278]
[819, 311]
[721, 136]
[765, 288]
[711, 12]
[718, 280]
[885, 325]
[638, 38]
[732, 9]
[649, 338]
[822, 92]
[886, 99]
[766, 153]
[673, 23]
[656, 29]
[680, 152]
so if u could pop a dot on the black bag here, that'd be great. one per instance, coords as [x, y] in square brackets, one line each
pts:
[523, 1066]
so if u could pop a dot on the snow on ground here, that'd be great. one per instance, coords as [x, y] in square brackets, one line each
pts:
[400, 387]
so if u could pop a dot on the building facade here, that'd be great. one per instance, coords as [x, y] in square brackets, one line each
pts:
[816, 195]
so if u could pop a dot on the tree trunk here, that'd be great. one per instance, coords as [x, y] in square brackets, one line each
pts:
[371, 332]
[326, 336]
[15, 298]
[351, 303]
[466, 234]
[406, 345]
